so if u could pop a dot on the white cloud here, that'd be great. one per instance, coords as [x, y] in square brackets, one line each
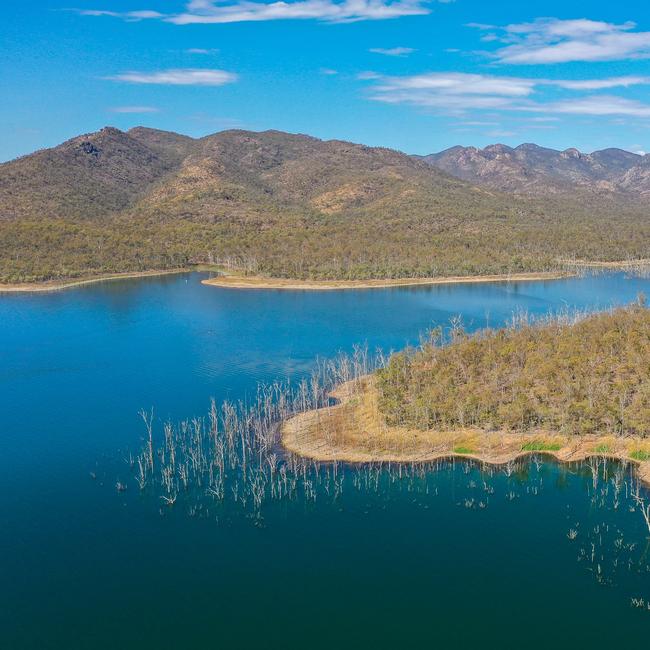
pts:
[328, 71]
[201, 50]
[452, 103]
[178, 77]
[218, 11]
[459, 83]
[482, 26]
[543, 119]
[601, 105]
[143, 15]
[551, 40]
[127, 15]
[392, 51]
[481, 84]
[457, 93]
[134, 109]
[601, 84]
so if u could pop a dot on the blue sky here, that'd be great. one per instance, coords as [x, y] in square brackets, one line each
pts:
[413, 75]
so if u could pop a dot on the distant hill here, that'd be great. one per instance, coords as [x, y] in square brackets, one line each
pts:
[239, 174]
[229, 175]
[91, 175]
[529, 168]
[295, 206]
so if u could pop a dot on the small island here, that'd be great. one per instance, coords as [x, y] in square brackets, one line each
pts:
[573, 387]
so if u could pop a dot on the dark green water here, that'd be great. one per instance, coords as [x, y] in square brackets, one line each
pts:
[419, 557]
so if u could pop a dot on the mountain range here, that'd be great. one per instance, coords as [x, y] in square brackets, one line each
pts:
[231, 174]
[296, 206]
[530, 168]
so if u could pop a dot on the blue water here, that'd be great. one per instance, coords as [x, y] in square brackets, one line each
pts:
[82, 566]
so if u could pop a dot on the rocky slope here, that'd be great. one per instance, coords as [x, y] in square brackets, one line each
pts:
[529, 168]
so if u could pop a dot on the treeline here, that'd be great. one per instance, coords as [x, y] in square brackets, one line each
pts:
[588, 375]
[343, 246]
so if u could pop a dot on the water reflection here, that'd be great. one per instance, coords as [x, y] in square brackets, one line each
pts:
[230, 467]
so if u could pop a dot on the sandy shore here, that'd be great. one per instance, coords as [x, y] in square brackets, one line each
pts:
[353, 431]
[58, 285]
[257, 282]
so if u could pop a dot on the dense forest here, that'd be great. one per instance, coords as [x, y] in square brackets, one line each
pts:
[571, 376]
[288, 206]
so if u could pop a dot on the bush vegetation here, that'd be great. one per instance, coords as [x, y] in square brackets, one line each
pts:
[588, 375]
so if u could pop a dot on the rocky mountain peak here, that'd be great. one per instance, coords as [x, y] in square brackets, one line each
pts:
[531, 169]
[571, 153]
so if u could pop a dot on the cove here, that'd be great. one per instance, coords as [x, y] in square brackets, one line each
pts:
[441, 555]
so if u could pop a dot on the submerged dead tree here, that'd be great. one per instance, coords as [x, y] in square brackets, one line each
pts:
[234, 453]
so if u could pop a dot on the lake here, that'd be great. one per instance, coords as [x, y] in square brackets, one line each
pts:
[529, 555]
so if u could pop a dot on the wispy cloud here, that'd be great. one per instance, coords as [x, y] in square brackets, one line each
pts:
[458, 93]
[459, 83]
[392, 51]
[601, 105]
[602, 84]
[201, 50]
[218, 11]
[328, 71]
[178, 77]
[134, 109]
[552, 40]
[126, 15]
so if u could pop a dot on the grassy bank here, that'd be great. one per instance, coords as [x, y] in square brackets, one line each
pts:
[355, 431]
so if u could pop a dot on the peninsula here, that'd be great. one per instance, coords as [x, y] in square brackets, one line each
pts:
[573, 388]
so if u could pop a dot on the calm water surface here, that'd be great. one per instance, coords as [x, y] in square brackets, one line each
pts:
[439, 557]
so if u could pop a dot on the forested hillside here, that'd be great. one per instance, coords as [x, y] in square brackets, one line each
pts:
[284, 205]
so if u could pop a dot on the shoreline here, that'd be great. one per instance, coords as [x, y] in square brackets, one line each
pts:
[258, 282]
[229, 280]
[351, 431]
[60, 285]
